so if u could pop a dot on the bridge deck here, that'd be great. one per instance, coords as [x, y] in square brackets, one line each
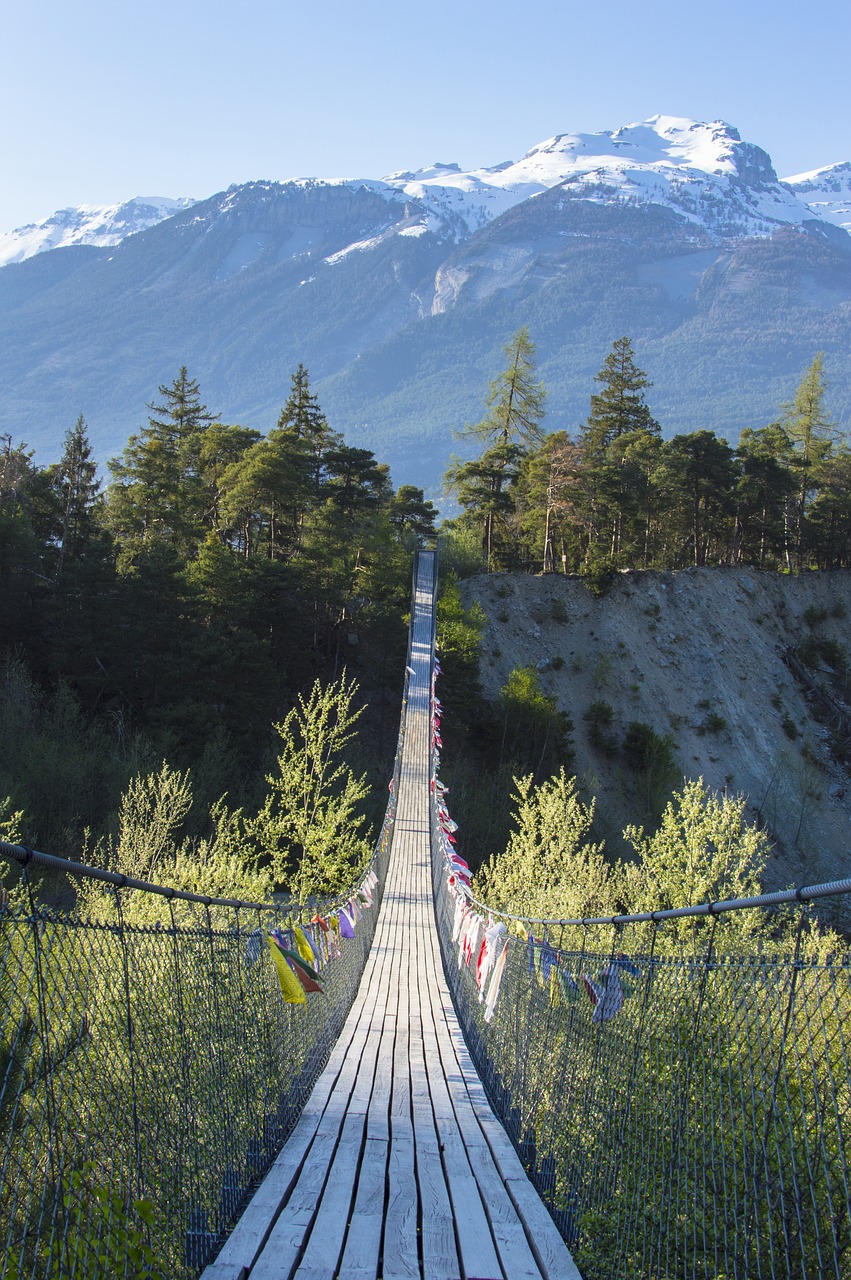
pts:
[397, 1167]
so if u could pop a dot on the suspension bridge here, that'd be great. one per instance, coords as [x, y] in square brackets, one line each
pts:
[473, 1095]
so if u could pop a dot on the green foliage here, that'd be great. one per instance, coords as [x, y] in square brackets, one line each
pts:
[712, 723]
[511, 428]
[410, 514]
[309, 827]
[653, 760]
[599, 717]
[157, 495]
[598, 577]
[619, 409]
[459, 644]
[619, 497]
[703, 851]
[10, 821]
[175, 617]
[104, 1235]
[534, 731]
[814, 651]
[548, 869]
[153, 811]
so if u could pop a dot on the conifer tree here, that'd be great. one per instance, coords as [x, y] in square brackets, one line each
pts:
[411, 513]
[698, 480]
[617, 457]
[304, 421]
[763, 489]
[77, 486]
[158, 495]
[619, 408]
[812, 435]
[511, 428]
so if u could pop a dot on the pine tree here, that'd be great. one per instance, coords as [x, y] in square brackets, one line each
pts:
[158, 493]
[304, 420]
[77, 486]
[698, 480]
[763, 490]
[411, 514]
[812, 435]
[617, 445]
[619, 408]
[511, 427]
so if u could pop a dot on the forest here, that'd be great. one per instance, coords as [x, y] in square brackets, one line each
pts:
[164, 624]
[616, 495]
[175, 613]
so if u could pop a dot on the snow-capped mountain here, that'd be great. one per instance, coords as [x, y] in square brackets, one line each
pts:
[102, 225]
[827, 192]
[703, 172]
[398, 293]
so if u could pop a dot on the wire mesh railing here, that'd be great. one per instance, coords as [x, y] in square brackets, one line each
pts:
[678, 1086]
[150, 1069]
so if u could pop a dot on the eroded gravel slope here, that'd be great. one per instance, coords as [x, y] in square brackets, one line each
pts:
[681, 651]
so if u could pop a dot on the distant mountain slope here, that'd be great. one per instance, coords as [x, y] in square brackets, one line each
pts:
[99, 225]
[399, 294]
[827, 192]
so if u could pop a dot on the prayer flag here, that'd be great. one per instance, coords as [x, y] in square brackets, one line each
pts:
[291, 988]
[303, 947]
[300, 971]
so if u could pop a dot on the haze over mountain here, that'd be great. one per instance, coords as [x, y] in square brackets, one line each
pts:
[399, 293]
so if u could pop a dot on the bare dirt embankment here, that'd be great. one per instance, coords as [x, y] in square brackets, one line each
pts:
[699, 656]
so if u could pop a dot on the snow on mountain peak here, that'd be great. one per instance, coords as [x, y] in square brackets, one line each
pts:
[99, 225]
[827, 192]
[703, 171]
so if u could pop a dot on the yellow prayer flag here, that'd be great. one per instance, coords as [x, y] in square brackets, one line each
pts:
[303, 947]
[291, 988]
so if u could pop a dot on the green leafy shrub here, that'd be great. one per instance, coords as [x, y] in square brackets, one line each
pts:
[549, 868]
[653, 759]
[534, 731]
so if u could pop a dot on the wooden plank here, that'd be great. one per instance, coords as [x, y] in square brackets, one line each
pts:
[551, 1253]
[440, 1252]
[329, 1226]
[363, 1240]
[400, 1255]
[420, 1184]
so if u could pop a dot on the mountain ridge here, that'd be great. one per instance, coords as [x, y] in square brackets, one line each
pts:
[622, 160]
[400, 311]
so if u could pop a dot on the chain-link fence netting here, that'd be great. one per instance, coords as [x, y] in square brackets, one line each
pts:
[678, 1091]
[150, 1068]
[677, 1083]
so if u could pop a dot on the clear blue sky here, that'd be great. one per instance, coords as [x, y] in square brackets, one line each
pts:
[103, 101]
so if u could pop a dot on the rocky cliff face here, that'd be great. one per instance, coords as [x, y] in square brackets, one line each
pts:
[703, 657]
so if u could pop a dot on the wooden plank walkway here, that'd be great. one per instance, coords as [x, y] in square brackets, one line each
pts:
[398, 1169]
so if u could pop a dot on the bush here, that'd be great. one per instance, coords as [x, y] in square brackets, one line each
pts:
[535, 732]
[599, 718]
[653, 759]
[548, 868]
